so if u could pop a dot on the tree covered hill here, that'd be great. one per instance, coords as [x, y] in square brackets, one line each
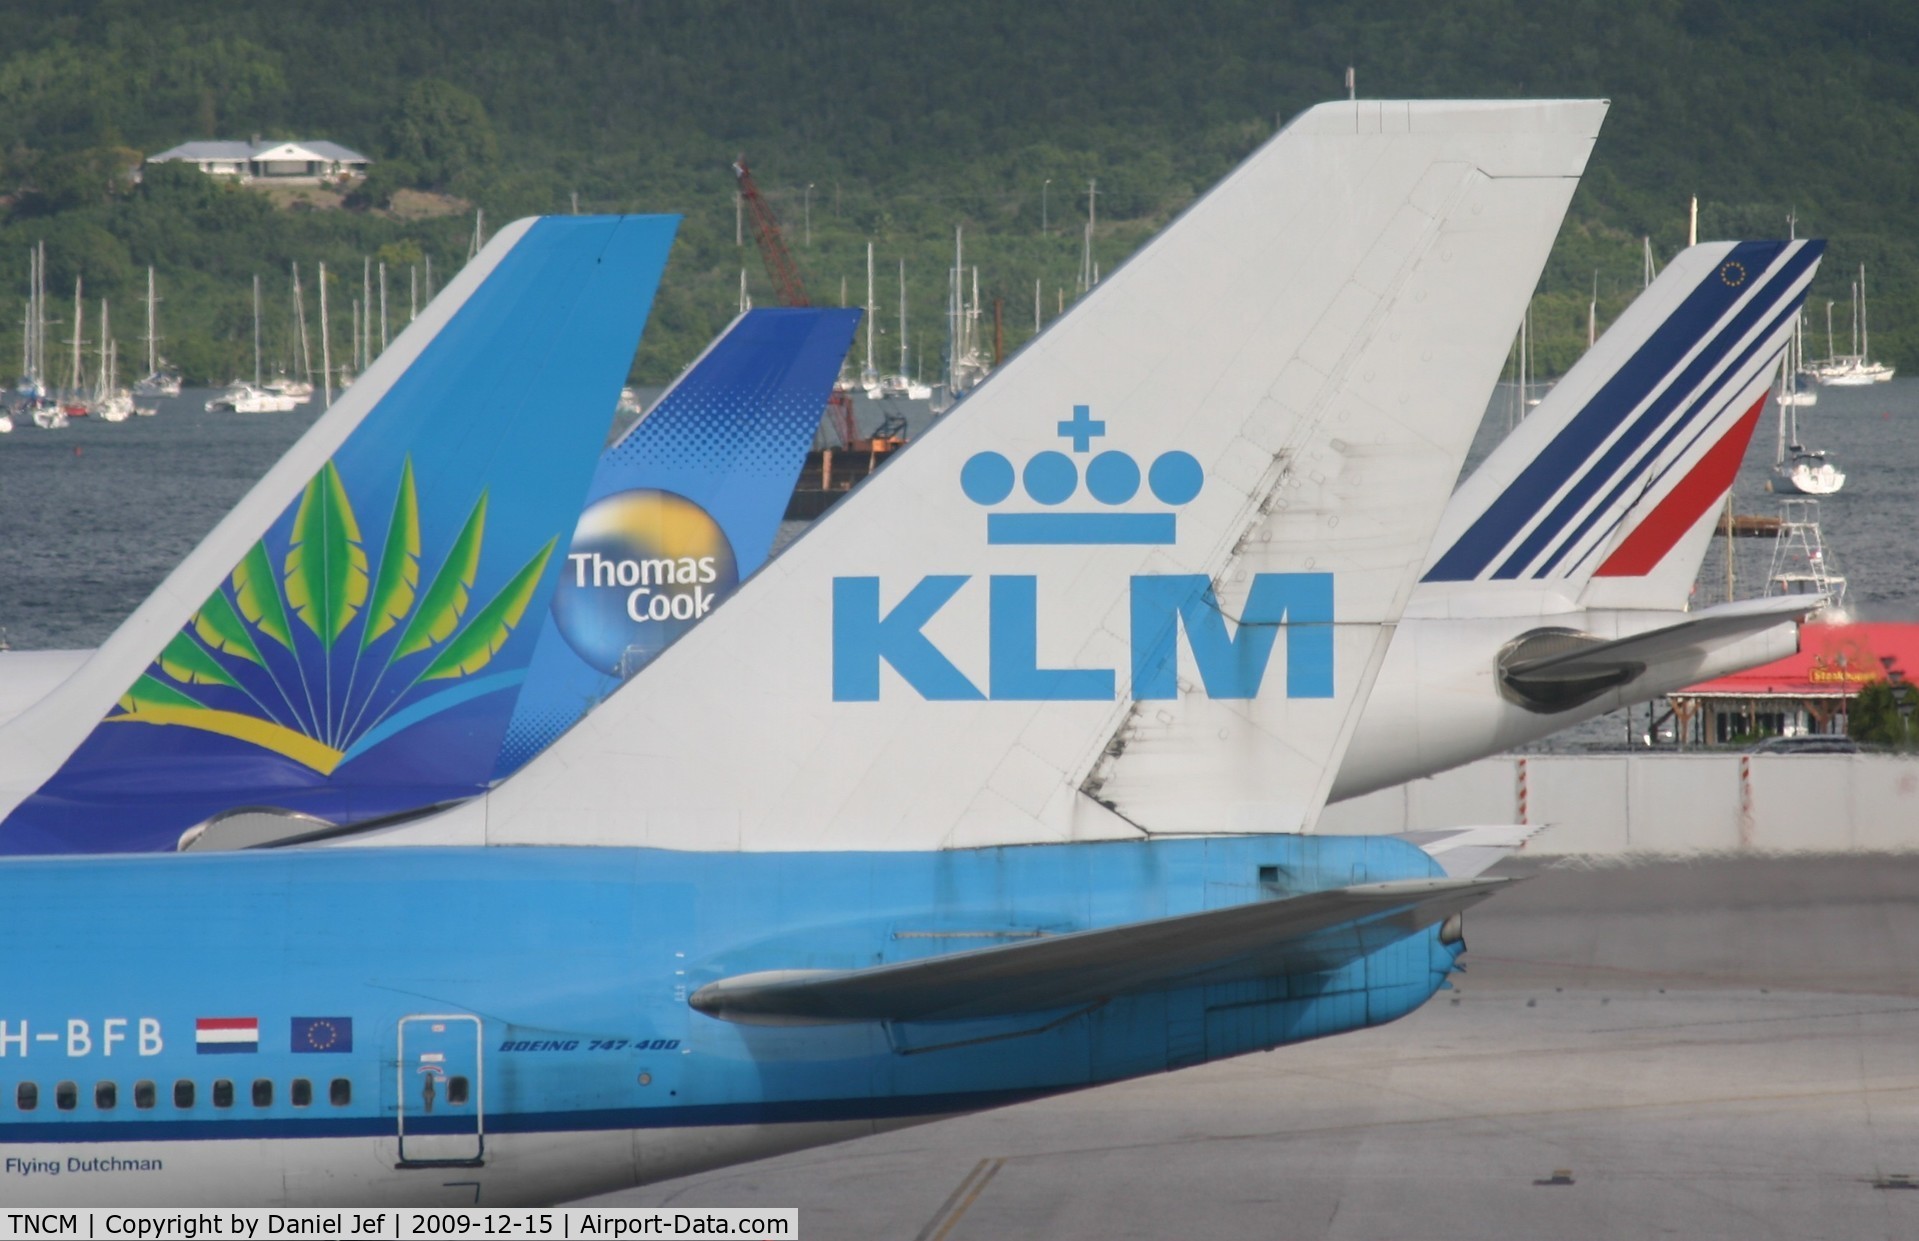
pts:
[871, 120]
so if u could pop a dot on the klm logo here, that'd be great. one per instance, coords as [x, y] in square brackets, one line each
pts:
[1163, 606]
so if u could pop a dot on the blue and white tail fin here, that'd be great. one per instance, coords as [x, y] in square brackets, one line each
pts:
[1605, 495]
[1052, 616]
[381, 571]
[680, 511]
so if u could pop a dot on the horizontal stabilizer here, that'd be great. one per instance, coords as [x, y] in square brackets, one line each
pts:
[1319, 930]
[1466, 852]
[1709, 627]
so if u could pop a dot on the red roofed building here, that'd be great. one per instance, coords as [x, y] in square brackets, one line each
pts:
[1804, 693]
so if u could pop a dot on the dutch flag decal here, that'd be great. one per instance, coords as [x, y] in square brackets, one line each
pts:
[214, 1036]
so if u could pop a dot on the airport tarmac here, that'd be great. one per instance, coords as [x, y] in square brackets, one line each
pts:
[1722, 1047]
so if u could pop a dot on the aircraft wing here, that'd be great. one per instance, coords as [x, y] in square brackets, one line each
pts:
[1624, 658]
[1314, 931]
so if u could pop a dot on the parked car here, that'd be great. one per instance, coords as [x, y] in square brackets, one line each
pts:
[1806, 743]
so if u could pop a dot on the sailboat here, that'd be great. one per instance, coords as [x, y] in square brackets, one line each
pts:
[300, 389]
[1796, 467]
[74, 403]
[1795, 365]
[110, 401]
[161, 379]
[899, 385]
[32, 384]
[966, 369]
[1853, 370]
[253, 398]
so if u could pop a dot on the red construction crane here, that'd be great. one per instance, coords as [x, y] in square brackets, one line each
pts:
[788, 283]
[766, 230]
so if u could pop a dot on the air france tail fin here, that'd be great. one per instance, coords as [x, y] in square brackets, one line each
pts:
[1604, 496]
[1139, 580]
[680, 511]
[382, 570]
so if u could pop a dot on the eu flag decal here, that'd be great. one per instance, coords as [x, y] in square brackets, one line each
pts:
[322, 1034]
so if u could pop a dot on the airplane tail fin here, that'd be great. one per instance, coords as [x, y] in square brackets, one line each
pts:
[679, 512]
[1053, 615]
[1605, 494]
[382, 569]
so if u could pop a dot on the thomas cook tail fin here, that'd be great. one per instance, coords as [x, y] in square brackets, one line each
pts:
[679, 512]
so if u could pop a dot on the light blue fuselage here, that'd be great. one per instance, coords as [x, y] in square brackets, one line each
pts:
[552, 983]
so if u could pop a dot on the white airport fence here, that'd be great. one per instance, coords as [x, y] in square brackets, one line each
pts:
[1662, 803]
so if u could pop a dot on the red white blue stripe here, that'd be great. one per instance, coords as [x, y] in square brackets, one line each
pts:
[216, 1036]
[1645, 429]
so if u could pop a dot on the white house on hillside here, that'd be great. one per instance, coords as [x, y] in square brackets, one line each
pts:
[268, 161]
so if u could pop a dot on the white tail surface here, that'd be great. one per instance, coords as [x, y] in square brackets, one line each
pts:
[1059, 614]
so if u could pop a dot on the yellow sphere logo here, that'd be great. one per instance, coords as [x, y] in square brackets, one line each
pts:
[644, 565]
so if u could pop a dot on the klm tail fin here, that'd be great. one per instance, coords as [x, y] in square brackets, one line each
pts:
[1604, 495]
[382, 570]
[1051, 617]
[680, 511]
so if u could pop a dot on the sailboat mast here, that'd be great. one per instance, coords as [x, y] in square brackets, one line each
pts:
[153, 366]
[902, 318]
[256, 329]
[40, 363]
[300, 322]
[79, 314]
[1866, 332]
[101, 392]
[953, 319]
[326, 350]
[868, 373]
[1592, 314]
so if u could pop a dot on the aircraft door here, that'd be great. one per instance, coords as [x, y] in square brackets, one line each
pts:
[441, 1117]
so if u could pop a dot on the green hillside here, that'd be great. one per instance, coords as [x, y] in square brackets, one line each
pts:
[909, 121]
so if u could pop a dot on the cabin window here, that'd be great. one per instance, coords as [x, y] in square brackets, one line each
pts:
[455, 1091]
[340, 1093]
[106, 1096]
[66, 1096]
[26, 1096]
[183, 1093]
[143, 1095]
[222, 1093]
[302, 1092]
[262, 1092]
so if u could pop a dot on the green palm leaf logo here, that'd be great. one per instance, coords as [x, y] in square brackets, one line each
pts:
[263, 684]
[221, 628]
[492, 625]
[447, 597]
[258, 595]
[326, 579]
[399, 579]
[189, 663]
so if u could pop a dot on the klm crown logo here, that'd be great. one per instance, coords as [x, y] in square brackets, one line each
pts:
[1112, 478]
